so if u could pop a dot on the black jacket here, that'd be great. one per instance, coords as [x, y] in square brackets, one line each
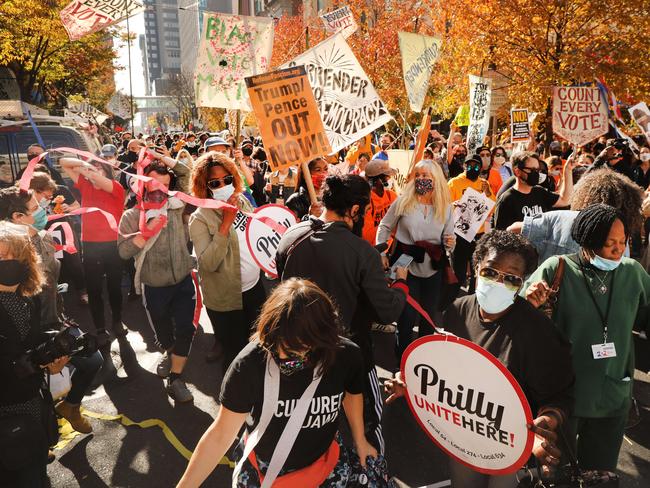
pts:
[348, 269]
[15, 389]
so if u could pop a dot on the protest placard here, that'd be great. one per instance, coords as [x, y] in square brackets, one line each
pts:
[400, 160]
[348, 103]
[83, 17]
[288, 117]
[231, 48]
[479, 420]
[519, 125]
[470, 213]
[419, 53]
[340, 20]
[641, 116]
[263, 240]
[579, 114]
[480, 94]
[462, 116]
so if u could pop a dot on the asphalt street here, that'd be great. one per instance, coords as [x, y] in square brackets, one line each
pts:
[119, 456]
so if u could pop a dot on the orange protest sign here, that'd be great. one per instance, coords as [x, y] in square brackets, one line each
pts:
[288, 117]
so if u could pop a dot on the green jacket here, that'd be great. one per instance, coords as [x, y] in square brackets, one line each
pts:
[603, 386]
[218, 258]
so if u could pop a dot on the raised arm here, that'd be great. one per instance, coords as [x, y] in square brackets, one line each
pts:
[566, 187]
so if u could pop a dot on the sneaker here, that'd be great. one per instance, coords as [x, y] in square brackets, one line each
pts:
[386, 328]
[72, 414]
[164, 366]
[178, 390]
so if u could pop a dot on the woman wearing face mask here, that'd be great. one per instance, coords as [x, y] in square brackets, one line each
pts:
[500, 163]
[299, 203]
[488, 172]
[523, 339]
[600, 297]
[423, 220]
[100, 255]
[642, 170]
[230, 279]
[22, 407]
[297, 358]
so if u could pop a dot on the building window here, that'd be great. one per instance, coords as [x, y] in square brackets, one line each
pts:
[174, 54]
[170, 25]
[171, 43]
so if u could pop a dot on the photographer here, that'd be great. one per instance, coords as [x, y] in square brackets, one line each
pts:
[617, 156]
[23, 411]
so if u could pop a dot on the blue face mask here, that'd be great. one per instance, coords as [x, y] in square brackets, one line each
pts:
[492, 296]
[604, 264]
[223, 193]
[40, 218]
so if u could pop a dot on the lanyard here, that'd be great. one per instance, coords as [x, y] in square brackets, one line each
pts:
[605, 316]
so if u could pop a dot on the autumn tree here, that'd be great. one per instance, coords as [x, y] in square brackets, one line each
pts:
[36, 47]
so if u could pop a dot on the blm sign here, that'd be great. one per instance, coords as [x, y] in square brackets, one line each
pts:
[288, 117]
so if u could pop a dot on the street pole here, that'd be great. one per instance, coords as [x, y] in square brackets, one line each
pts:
[128, 36]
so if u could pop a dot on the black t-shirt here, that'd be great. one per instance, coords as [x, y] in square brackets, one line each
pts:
[527, 343]
[513, 205]
[242, 391]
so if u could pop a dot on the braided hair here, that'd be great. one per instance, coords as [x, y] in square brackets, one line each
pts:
[592, 225]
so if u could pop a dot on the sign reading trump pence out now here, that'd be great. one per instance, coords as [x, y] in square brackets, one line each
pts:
[288, 116]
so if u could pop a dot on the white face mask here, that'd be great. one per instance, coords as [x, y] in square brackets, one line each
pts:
[499, 160]
[486, 160]
[645, 157]
[542, 178]
[492, 296]
[223, 193]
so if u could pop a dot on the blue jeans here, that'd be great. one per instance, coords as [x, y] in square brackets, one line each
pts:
[425, 291]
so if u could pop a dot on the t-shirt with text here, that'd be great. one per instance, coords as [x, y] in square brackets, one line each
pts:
[513, 205]
[242, 391]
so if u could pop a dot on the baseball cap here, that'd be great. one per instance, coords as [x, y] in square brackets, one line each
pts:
[108, 150]
[378, 167]
[214, 141]
[473, 159]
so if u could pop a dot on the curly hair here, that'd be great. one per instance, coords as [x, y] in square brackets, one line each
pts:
[592, 225]
[502, 242]
[15, 241]
[614, 189]
[201, 171]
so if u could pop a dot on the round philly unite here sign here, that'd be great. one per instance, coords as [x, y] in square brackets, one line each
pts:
[262, 240]
[468, 403]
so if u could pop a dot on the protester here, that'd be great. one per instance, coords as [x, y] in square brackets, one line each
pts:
[456, 152]
[299, 202]
[617, 156]
[599, 327]
[501, 164]
[22, 408]
[163, 267]
[457, 187]
[297, 357]
[378, 174]
[281, 184]
[230, 279]
[525, 198]
[550, 232]
[423, 222]
[100, 257]
[489, 173]
[386, 142]
[331, 253]
[642, 170]
[522, 339]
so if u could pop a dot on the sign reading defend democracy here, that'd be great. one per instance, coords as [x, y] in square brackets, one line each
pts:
[348, 103]
[419, 53]
[288, 117]
[480, 94]
[83, 17]
[340, 20]
[232, 47]
[519, 125]
[479, 420]
[579, 114]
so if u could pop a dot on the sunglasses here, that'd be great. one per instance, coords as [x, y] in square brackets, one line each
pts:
[219, 182]
[474, 167]
[512, 282]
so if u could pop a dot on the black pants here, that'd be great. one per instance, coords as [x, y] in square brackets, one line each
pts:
[233, 329]
[463, 262]
[102, 259]
[171, 312]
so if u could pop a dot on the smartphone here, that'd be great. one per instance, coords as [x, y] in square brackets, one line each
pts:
[402, 262]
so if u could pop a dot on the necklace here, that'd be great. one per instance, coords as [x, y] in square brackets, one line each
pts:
[602, 289]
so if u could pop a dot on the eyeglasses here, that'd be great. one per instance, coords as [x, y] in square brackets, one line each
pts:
[219, 182]
[512, 282]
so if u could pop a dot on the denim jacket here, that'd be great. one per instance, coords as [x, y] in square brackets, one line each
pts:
[550, 233]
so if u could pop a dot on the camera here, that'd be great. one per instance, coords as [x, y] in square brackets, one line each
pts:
[66, 342]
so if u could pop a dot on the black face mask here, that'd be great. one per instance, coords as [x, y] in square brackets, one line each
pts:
[291, 364]
[532, 178]
[13, 272]
[247, 151]
[472, 172]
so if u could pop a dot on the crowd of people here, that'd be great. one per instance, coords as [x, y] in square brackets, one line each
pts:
[535, 287]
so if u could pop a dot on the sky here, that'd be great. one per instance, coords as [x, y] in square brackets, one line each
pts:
[136, 24]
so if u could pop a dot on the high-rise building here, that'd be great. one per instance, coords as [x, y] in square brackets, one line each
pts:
[142, 43]
[162, 43]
